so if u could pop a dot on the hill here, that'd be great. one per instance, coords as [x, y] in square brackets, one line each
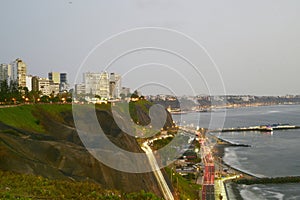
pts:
[42, 140]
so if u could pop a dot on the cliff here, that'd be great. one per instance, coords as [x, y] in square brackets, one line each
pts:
[42, 140]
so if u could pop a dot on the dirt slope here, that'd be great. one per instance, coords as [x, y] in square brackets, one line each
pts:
[58, 151]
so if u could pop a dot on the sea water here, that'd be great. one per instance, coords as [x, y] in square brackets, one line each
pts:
[272, 154]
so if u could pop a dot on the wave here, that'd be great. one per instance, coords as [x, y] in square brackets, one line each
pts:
[233, 160]
[273, 111]
[255, 192]
[294, 198]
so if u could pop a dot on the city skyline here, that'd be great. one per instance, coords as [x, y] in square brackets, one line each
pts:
[254, 44]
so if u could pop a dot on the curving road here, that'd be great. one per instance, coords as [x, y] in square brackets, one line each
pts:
[156, 170]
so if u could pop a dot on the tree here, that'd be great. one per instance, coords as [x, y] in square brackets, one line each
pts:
[122, 96]
[4, 91]
[45, 99]
[134, 95]
[34, 95]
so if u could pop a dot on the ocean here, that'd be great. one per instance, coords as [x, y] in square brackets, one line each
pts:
[271, 154]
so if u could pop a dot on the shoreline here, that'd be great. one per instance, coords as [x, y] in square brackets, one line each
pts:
[213, 109]
[219, 152]
[231, 188]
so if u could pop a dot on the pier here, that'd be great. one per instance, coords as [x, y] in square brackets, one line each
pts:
[262, 128]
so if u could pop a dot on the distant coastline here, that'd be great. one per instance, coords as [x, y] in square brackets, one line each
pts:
[183, 105]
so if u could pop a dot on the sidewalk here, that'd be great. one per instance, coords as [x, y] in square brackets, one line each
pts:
[220, 187]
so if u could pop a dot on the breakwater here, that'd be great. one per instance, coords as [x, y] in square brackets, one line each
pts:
[269, 180]
[263, 128]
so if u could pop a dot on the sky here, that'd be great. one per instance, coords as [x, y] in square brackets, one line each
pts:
[197, 47]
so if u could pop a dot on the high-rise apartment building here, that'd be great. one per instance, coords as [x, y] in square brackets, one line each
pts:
[91, 81]
[5, 72]
[54, 76]
[14, 72]
[63, 78]
[59, 78]
[18, 72]
[29, 82]
[114, 85]
[80, 89]
[64, 86]
[104, 85]
[35, 83]
[125, 91]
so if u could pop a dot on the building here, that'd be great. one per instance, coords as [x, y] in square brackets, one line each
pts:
[59, 78]
[54, 76]
[125, 91]
[114, 86]
[104, 85]
[54, 88]
[64, 86]
[44, 86]
[80, 88]
[29, 82]
[35, 83]
[91, 82]
[8, 73]
[5, 72]
[18, 73]
[14, 72]
[63, 78]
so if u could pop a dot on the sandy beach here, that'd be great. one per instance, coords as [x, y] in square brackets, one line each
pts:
[219, 152]
[231, 187]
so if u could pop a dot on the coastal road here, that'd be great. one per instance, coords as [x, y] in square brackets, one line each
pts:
[156, 170]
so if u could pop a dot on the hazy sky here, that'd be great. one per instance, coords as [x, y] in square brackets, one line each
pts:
[255, 44]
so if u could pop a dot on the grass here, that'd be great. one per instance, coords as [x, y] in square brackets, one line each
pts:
[53, 110]
[26, 116]
[21, 117]
[184, 187]
[20, 186]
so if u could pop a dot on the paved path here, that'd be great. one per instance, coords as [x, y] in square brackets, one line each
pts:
[220, 187]
[8, 106]
[156, 170]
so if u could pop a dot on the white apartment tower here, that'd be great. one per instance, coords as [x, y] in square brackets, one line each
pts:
[18, 72]
[29, 82]
[91, 81]
[104, 85]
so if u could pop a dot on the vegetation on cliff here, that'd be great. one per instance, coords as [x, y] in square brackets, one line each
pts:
[21, 186]
[41, 139]
[185, 188]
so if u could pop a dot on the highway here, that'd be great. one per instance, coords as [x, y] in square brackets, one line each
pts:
[156, 170]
